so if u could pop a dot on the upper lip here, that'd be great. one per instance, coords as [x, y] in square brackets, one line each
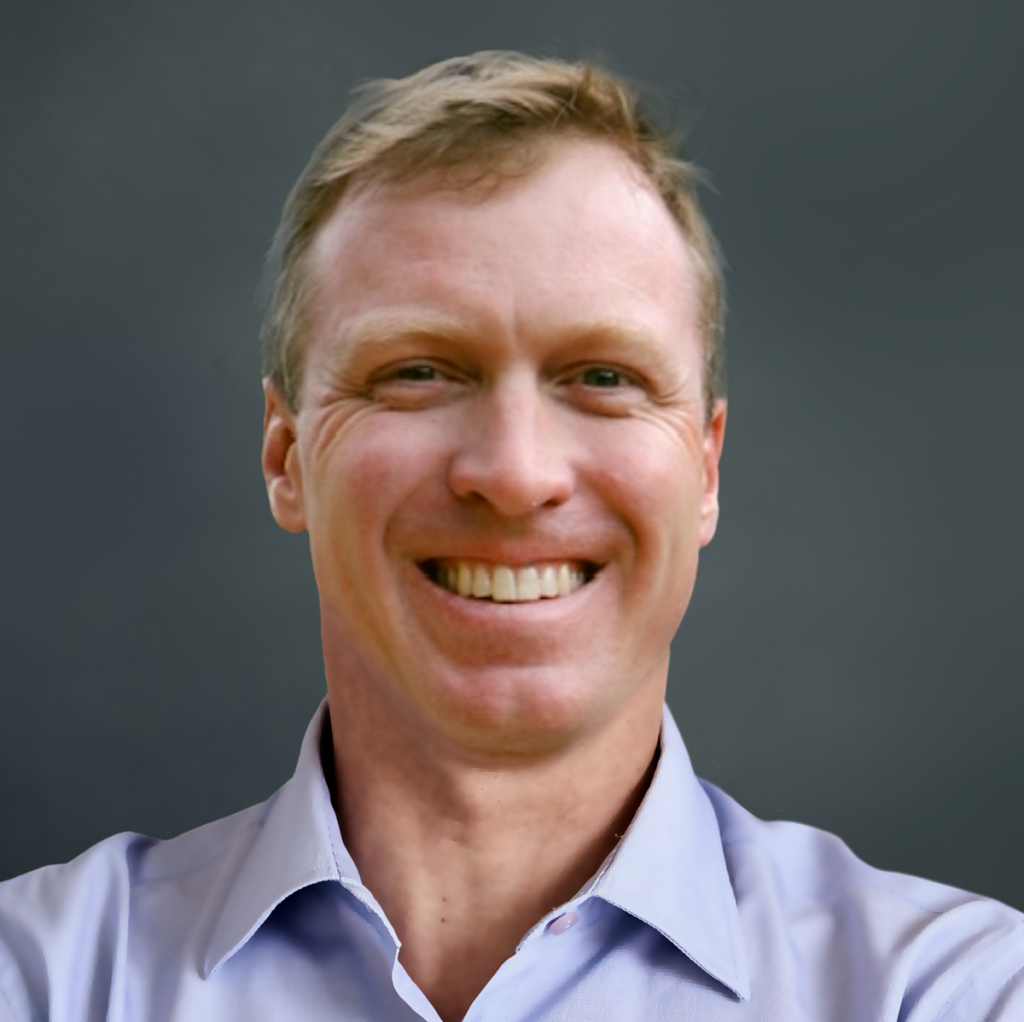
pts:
[513, 553]
[554, 546]
[588, 564]
[510, 562]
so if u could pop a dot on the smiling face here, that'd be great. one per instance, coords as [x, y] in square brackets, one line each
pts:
[501, 455]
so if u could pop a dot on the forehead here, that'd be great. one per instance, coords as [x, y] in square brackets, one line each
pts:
[582, 237]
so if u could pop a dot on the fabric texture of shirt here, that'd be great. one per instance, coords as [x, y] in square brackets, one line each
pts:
[702, 912]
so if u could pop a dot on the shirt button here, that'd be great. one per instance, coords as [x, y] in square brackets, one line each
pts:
[563, 923]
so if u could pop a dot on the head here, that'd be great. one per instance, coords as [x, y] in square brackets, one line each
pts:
[492, 404]
[491, 115]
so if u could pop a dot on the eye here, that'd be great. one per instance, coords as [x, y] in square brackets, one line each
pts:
[413, 385]
[603, 377]
[603, 389]
[418, 373]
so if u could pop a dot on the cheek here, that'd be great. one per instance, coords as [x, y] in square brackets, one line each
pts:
[656, 484]
[362, 478]
[656, 489]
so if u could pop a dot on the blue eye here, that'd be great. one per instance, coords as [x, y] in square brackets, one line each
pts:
[602, 376]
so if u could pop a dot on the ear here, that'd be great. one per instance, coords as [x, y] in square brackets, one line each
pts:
[282, 470]
[714, 438]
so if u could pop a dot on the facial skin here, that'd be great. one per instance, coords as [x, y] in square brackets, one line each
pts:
[509, 375]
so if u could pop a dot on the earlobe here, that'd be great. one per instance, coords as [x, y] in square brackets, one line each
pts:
[281, 467]
[714, 439]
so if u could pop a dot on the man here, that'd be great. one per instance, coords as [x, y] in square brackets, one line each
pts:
[493, 402]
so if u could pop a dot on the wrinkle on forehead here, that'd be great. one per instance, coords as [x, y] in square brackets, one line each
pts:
[584, 247]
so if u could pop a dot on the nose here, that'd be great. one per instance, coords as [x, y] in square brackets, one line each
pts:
[513, 452]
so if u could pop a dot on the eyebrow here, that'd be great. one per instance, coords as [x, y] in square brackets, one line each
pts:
[358, 345]
[594, 339]
[377, 331]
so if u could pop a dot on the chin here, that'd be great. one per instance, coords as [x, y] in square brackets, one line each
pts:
[519, 711]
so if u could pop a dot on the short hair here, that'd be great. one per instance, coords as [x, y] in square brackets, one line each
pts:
[490, 113]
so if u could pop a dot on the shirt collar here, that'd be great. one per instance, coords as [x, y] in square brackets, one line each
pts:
[668, 871]
[296, 842]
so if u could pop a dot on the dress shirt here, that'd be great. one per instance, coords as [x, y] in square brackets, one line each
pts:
[702, 912]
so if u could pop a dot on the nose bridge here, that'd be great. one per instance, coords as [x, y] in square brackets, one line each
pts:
[512, 454]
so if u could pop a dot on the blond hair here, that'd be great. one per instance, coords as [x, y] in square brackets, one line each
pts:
[472, 117]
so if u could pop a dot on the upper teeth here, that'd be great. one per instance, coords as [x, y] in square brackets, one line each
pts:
[505, 584]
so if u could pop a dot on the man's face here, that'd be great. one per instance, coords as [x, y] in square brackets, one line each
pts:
[502, 456]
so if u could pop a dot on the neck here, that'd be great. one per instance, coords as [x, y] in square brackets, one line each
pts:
[464, 853]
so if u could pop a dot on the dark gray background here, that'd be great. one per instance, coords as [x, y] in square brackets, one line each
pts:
[853, 656]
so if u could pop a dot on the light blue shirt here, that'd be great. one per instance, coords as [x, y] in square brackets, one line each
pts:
[702, 912]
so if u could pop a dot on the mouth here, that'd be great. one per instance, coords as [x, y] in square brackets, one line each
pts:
[503, 583]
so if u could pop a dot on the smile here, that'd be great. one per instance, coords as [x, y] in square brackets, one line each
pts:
[502, 583]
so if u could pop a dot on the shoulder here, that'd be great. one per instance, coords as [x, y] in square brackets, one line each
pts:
[55, 917]
[947, 953]
[803, 866]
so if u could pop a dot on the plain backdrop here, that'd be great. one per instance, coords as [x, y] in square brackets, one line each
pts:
[853, 657]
